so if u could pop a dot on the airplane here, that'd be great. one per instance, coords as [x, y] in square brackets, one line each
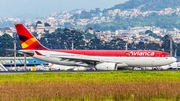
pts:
[95, 59]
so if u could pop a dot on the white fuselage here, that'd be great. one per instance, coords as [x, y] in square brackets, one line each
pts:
[55, 57]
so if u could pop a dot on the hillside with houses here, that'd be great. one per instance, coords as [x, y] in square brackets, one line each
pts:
[135, 21]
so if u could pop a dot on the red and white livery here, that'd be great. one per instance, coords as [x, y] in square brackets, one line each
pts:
[98, 59]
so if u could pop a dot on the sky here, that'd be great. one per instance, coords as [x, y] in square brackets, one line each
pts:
[15, 8]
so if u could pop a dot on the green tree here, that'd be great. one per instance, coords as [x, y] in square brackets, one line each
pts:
[38, 22]
[63, 39]
[148, 32]
[95, 43]
[132, 46]
[89, 35]
[47, 24]
[6, 42]
[166, 44]
[141, 45]
[117, 44]
[153, 46]
[178, 49]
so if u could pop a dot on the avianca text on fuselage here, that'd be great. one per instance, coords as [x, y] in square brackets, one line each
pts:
[141, 53]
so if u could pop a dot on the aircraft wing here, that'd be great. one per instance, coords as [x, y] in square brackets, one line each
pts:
[86, 59]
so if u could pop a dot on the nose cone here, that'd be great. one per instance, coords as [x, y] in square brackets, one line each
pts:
[174, 59]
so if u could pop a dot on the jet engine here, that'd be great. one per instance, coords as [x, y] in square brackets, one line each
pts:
[110, 66]
[106, 66]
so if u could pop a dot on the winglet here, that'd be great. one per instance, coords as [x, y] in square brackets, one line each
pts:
[38, 53]
[27, 40]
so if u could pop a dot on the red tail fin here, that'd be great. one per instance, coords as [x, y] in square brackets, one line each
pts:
[27, 40]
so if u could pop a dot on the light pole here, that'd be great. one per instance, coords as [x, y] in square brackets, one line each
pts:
[127, 42]
[170, 38]
[25, 61]
[72, 45]
[126, 45]
[14, 53]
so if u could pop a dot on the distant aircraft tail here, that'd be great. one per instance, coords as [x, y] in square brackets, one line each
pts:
[27, 40]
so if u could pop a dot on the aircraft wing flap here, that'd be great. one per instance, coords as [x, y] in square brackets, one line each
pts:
[78, 59]
[87, 60]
